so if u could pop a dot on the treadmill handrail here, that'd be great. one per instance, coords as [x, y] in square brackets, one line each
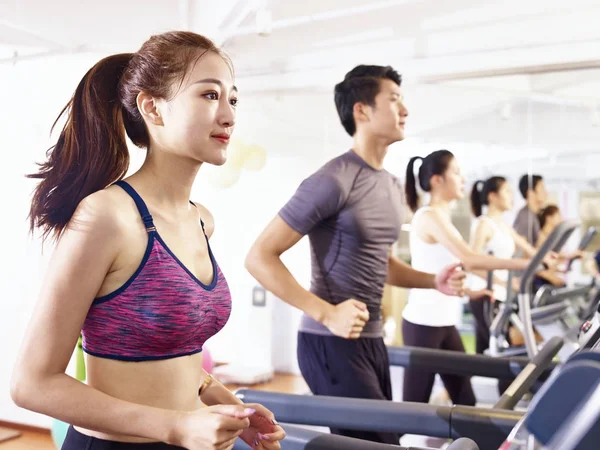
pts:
[530, 374]
[299, 438]
[554, 242]
[559, 235]
[553, 310]
[459, 363]
[383, 415]
[585, 241]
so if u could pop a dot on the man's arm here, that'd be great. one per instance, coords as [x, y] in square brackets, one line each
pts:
[264, 264]
[401, 274]
[346, 319]
[318, 198]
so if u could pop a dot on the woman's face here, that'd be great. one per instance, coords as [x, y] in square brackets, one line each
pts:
[503, 199]
[452, 183]
[198, 121]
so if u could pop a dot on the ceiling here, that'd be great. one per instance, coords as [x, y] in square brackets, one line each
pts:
[516, 74]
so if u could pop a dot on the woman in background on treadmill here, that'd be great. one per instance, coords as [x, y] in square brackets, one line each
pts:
[431, 318]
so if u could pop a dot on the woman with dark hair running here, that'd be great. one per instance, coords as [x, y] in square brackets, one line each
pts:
[133, 270]
[430, 317]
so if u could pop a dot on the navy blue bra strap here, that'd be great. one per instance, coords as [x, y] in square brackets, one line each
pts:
[141, 206]
[201, 222]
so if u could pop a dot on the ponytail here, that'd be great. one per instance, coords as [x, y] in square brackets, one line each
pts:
[481, 192]
[91, 151]
[476, 198]
[410, 186]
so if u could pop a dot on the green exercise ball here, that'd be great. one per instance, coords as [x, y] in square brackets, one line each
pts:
[59, 432]
[59, 429]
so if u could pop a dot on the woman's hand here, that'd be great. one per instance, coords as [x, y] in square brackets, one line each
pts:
[263, 432]
[211, 428]
[481, 294]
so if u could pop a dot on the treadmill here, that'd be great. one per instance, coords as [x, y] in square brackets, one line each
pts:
[487, 427]
[502, 365]
[299, 438]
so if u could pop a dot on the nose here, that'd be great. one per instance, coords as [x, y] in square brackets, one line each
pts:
[403, 110]
[226, 116]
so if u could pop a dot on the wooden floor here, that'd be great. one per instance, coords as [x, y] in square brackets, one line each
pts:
[39, 440]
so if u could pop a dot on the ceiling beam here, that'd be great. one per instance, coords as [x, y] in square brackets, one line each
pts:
[507, 11]
[529, 60]
[217, 20]
[332, 14]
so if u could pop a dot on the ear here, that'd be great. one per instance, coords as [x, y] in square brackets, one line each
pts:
[361, 112]
[435, 180]
[149, 109]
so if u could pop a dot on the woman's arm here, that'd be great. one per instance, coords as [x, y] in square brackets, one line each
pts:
[482, 235]
[83, 256]
[432, 225]
[522, 244]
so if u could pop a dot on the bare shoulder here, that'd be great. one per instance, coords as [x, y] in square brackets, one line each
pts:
[430, 216]
[484, 225]
[206, 217]
[103, 212]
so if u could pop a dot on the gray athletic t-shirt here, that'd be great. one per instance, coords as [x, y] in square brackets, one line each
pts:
[527, 225]
[351, 213]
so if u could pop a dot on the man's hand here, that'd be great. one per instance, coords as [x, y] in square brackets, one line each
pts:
[451, 280]
[347, 319]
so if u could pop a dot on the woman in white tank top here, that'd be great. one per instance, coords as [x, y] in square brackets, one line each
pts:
[430, 318]
[490, 234]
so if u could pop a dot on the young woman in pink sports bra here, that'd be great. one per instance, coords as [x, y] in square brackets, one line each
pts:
[133, 270]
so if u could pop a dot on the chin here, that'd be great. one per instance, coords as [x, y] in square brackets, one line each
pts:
[216, 158]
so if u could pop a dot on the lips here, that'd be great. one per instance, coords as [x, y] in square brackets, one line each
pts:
[221, 137]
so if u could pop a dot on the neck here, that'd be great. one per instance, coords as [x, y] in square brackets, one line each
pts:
[167, 179]
[371, 149]
[494, 211]
[547, 228]
[440, 203]
[533, 206]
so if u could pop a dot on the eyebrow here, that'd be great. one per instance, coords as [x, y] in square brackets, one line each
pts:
[214, 81]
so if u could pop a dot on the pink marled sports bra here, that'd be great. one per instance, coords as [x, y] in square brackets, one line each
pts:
[163, 311]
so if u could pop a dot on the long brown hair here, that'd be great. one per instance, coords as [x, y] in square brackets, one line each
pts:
[91, 152]
[481, 192]
[435, 163]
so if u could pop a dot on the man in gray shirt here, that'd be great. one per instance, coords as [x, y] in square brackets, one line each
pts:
[534, 192]
[351, 211]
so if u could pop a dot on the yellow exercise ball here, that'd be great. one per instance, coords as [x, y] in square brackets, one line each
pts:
[227, 176]
[236, 154]
[255, 158]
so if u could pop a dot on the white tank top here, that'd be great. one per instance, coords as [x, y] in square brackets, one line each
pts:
[428, 306]
[502, 245]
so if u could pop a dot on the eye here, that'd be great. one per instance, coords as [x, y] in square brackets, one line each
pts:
[234, 101]
[212, 96]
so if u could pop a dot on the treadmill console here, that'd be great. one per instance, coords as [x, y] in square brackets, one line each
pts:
[589, 333]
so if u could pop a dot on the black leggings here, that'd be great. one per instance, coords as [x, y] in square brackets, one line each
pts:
[482, 331]
[79, 441]
[418, 383]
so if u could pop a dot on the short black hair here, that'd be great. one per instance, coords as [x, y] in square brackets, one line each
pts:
[524, 185]
[360, 85]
